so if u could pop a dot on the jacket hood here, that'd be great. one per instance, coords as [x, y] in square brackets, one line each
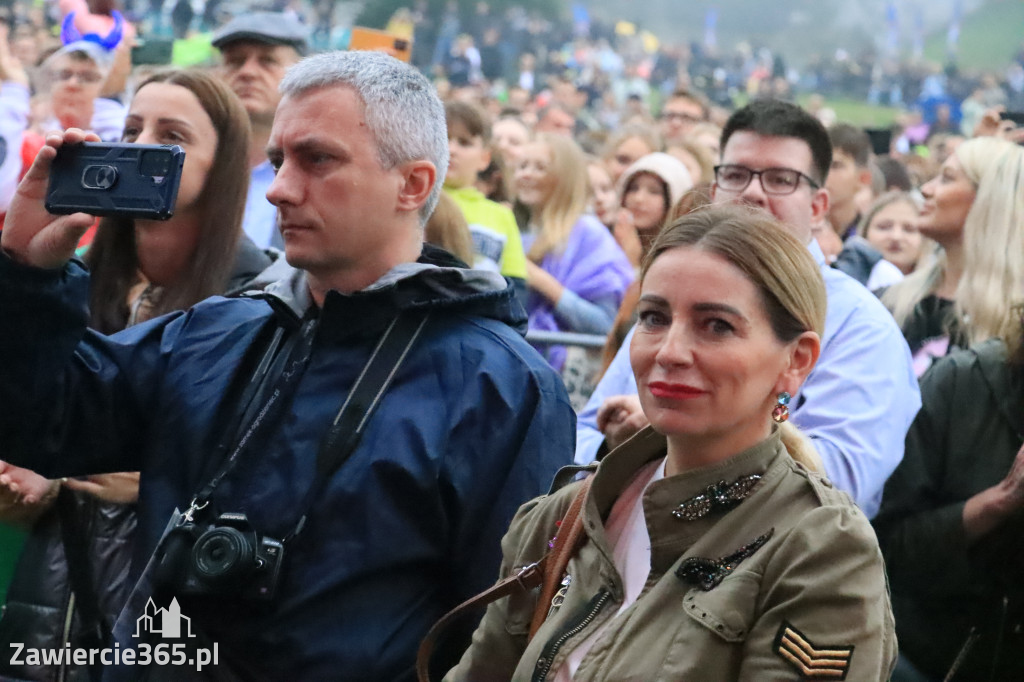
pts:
[667, 168]
[436, 281]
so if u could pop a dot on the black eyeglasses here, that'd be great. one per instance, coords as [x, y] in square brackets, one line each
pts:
[779, 181]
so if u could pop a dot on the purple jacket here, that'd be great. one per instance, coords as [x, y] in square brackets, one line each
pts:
[592, 265]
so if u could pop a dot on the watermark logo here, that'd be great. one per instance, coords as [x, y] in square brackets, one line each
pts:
[167, 623]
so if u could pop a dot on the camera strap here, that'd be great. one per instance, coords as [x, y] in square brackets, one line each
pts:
[266, 397]
[350, 423]
[263, 404]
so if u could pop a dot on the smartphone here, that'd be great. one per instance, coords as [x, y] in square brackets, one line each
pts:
[115, 179]
[881, 140]
[1016, 116]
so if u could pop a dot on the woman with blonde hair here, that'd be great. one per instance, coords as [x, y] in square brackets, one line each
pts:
[974, 210]
[627, 145]
[890, 226]
[448, 229]
[576, 273]
[710, 546]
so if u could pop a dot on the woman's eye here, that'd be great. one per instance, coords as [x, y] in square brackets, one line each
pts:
[129, 134]
[652, 318]
[719, 326]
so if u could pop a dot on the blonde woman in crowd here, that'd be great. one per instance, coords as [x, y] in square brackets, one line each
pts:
[626, 146]
[712, 548]
[890, 225]
[576, 273]
[974, 210]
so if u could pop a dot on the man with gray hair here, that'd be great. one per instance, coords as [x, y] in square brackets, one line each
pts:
[326, 467]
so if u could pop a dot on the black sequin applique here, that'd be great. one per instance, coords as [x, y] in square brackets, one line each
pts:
[720, 496]
[708, 573]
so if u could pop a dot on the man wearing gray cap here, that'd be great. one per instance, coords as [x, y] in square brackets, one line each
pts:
[256, 49]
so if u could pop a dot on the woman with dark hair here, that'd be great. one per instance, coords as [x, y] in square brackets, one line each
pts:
[145, 268]
[711, 547]
[71, 580]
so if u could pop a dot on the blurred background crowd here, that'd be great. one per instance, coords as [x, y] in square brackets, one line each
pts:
[576, 133]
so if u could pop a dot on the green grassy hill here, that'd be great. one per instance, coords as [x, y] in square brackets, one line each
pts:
[799, 29]
[989, 36]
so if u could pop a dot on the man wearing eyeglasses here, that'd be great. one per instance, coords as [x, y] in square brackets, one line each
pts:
[682, 111]
[76, 74]
[861, 397]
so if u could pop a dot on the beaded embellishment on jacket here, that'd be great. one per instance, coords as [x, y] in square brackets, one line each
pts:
[708, 573]
[719, 496]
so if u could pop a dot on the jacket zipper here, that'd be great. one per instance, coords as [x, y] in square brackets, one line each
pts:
[547, 655]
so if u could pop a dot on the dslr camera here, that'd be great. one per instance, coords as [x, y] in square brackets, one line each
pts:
[226, 558]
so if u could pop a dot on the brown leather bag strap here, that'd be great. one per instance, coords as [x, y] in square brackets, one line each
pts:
[570, 533]
[547, 571]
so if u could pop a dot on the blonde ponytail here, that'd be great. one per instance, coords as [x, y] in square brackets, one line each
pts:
[800, 448]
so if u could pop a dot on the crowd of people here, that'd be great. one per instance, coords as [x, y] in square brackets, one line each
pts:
[338, 392]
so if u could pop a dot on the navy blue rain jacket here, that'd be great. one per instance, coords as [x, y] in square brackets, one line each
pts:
[474, 424]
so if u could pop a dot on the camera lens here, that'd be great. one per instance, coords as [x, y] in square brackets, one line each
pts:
[223, 553]
[155, 163]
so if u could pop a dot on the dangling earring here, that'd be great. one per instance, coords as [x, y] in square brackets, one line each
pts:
[781, 411]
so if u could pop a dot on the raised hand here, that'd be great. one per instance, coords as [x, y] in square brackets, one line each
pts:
[31, 235]
[628, 238]
[619, 418]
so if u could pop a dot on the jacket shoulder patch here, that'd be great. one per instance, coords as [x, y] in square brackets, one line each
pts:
[812, 661]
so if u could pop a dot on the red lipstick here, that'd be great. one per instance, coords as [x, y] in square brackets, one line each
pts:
[661, 389]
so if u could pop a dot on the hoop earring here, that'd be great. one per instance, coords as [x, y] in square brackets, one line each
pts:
[781, 411]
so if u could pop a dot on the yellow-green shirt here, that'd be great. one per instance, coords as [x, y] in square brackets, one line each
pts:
[496, 242]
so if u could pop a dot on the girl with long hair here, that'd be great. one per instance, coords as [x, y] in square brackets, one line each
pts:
[576, 272]
[974, 210]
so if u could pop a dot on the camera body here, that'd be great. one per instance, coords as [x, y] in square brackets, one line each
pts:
[226, 558]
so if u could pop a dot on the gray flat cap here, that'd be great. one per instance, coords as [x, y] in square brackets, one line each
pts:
[273, 28]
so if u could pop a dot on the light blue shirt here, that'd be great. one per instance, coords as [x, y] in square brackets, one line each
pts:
[855, 406]
[260, 220]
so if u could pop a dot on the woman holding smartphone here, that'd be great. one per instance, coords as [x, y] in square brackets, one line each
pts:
[140, 269]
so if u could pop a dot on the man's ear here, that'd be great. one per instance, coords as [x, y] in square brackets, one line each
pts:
[820, 201]
[418, 178]
[803, 354]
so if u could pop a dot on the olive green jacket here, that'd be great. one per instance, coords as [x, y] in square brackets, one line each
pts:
[802, 589]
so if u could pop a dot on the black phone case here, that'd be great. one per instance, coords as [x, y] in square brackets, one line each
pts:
[1017, 117]
[106, 179]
